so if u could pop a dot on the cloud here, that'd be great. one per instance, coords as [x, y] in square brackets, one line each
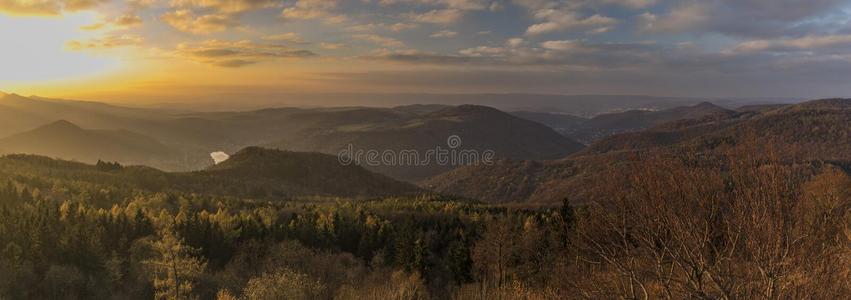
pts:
[314, 9]
[31, 7]
[95, 26]
[745, 18]
[631, 3]
[438, 16]
[808, 43]
[402, 26]
[454, 4]
[372, 27]
[75, 5]
[444, 34]
[127, 20]
[141, 4]
[289, 37]
[237, 54]
[225, 6]
[680, 18]
[643, 67]
[332, 46]
[420, 57]
[821, 79]
[560, 45]
[566, 54]
[467, 4]
[515, 42]
[444, 11]
[484, 51]
[380, 40]
[722, 37]
[123, 21]
[46, 7]
[559, 21]
[108, 42]
[185, 21]
[785, 10]
[554, 16]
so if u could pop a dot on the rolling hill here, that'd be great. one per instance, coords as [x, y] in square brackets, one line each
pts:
[63, 139]
[192, 136]
[480, 128]
[606, 125]
[26, 113]
[812, 133]
[578, 105]
[559, 122]
[251, 173]
[286, 173]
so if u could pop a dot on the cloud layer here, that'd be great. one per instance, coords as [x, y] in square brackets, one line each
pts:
[237, 54]
[597, 42]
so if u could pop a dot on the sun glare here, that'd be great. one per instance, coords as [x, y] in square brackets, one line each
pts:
[34, 50]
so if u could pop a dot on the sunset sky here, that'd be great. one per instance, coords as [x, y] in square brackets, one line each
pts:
[155, 50]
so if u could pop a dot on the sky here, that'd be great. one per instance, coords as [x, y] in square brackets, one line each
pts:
[161, 50]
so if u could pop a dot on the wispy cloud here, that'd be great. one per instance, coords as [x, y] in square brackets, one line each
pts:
[237, 54]
[46, 7]
[289, 37]
[123, 21]
[444, 34]
[314, 9]
[438, 16]
[186, 21]
[380, 40]
[108, 42]
[751, 38]
[807, 43]
[225, 6]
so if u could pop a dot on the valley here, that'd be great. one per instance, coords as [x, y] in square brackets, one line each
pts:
[283, 215]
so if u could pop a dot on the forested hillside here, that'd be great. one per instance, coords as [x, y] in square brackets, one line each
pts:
[749, 205]
[480, 128]
[253, 173]
[761, 230]
[425, 149]
[602, 126]
[813, 132]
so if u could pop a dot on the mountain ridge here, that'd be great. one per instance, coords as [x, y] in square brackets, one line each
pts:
[809, 133]
[306, 173]
[254, 173]
[480, 128]
[605, 125]
[63, 139]
[193, 135]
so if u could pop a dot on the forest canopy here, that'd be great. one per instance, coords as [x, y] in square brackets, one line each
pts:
[761, 229]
